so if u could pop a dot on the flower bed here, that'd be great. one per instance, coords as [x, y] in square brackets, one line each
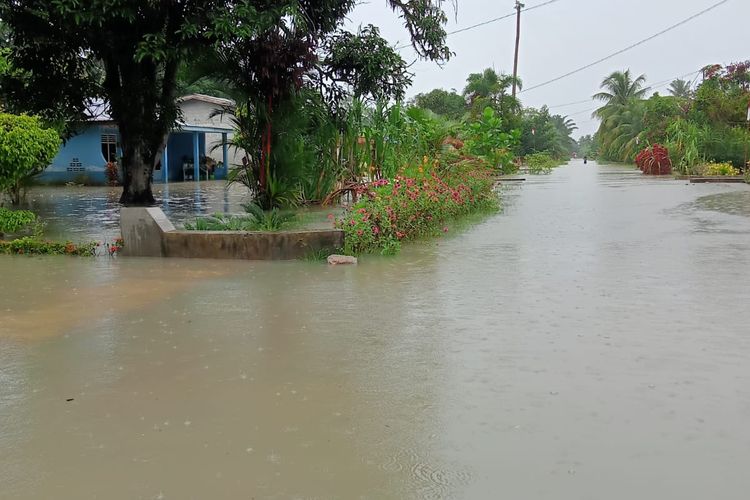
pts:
[719, 169]
[414, 205]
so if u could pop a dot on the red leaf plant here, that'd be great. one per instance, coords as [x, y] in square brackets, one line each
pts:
[654, 160]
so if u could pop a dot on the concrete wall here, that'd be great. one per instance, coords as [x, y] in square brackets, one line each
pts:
[147, 232]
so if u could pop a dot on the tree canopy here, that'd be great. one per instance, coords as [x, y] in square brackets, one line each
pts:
[131, 51]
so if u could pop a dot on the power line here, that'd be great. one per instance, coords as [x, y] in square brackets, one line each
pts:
[629, 47]
[654, 86]
[489, 21]
[569, 104]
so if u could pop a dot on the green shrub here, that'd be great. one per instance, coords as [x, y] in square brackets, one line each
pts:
[540, 163]
[26, 148]
[415, 205]
[715, 169]
[13, 221]
[256, 220]
[33, 246]
[485, 138]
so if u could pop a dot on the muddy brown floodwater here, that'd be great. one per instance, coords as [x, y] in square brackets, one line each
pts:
[590, 342]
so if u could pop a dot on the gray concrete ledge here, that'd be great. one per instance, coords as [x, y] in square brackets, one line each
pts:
[147, 232]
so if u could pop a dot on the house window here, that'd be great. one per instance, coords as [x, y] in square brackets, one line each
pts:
[109, 147]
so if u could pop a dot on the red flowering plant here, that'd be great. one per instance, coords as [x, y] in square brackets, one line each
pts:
[414, 204]
[654, 160]
[110, 170]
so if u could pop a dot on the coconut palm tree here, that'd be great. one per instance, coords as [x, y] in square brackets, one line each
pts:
[681, 88]
[619, 89]
[621, 115]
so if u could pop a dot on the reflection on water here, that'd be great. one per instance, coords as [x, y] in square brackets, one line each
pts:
[735, 203]
[83, 213]
[588, 342]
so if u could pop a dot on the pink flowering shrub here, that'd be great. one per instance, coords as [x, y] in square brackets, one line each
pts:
[414, 205]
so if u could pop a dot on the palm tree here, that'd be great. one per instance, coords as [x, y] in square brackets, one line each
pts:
[681, 88]
[490, 88]
[565, 127]
[620, 89]
[621, 131]
[621, 116]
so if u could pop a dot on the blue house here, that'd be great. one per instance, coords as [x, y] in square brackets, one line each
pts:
[196, 149]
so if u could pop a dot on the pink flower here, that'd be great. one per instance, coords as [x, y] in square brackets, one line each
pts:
[360, 232]
[375, 230]
[352, 223]
[445, 229]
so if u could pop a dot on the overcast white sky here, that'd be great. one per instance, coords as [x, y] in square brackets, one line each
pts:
[571, 33]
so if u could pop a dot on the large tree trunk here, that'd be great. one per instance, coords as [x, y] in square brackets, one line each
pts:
[142, 100]
[137, 177]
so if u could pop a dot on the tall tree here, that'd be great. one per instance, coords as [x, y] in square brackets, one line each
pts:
[489, 88]
[140, 44]
[681, 88]
[442, 102]
[621, 115]
[620, 88]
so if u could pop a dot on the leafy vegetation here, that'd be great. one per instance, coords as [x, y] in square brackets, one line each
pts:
[30, 245]
[26, 148]
[540, 163]
[417, 203]
[13, 221]
[697, 125]
[256, 220]
[131, 52]
[485, 139]
[720, 169]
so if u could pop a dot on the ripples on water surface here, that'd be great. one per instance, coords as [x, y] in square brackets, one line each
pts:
[589, 342]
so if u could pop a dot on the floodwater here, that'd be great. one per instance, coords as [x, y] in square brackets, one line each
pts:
[84, 213]
[590, 342]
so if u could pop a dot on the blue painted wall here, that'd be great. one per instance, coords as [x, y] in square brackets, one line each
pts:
[80, 159]
[180, 146]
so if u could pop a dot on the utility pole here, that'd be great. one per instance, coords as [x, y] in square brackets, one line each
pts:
[519, 6]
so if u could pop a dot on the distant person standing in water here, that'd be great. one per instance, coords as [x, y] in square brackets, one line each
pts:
[585, 160]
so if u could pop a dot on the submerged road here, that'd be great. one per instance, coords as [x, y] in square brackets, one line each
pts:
[591, 341]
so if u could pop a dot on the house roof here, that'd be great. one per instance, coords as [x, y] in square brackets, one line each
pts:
[220, 101]
[208, 129]
[98, 111]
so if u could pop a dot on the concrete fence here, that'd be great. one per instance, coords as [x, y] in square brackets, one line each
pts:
[147, 232]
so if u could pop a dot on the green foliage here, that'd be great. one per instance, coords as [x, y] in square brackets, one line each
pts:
[720, 169]
[659, 113]
[441, 102]
[485, 138]
[13, 221]
[588, 146]
[684, 142]
[131, 52]
[699, 125]
[494, 90]
[541, 163]
[256, 220]
[26, 148]
[31, 245]
[415, 205]
[541, 131]
[681, 89]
